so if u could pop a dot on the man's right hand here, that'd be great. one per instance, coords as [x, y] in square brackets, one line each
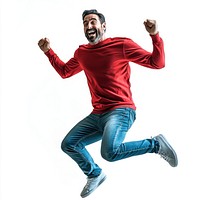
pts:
[44, 44]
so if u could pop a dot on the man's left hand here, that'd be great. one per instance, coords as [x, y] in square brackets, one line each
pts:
[151, 26]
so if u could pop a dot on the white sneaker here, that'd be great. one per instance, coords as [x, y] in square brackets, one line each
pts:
[166, 151]
[92, 184]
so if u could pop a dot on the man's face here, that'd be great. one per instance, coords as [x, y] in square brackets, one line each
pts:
[93, 29]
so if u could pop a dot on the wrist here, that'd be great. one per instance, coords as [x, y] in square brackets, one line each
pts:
[155, 33]
[46, 50]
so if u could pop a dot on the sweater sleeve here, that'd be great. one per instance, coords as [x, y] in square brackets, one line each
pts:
[155, 59]
[65, 70]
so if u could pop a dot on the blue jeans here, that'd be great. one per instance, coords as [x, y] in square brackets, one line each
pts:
[110, 127]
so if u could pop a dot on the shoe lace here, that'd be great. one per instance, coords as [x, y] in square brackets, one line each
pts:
[164, 156]
[89, 181]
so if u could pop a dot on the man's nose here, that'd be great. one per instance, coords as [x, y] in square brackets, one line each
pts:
[89, 25]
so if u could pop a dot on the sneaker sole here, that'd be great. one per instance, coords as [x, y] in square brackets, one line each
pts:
[170, 147]
[100, 182]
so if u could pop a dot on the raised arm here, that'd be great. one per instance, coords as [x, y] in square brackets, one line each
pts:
[65, 70]
[135, 53]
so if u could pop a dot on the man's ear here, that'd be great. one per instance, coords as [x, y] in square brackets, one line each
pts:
[104, 26]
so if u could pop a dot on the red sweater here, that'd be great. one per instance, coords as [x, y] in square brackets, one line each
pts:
[106, 66]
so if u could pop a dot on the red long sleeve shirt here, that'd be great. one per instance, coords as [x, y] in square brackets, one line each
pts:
[106, 66]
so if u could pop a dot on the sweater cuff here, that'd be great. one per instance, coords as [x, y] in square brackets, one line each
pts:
[49, 53]
[155, 38]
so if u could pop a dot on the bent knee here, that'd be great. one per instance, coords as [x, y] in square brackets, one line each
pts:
[66, 146]
[108, 156]
[63, 146]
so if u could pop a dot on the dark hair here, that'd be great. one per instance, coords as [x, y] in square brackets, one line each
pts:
[93, 11]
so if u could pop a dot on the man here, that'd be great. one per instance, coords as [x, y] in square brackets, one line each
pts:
[105, 62]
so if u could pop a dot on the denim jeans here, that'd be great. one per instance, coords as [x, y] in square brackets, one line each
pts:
[111, 128]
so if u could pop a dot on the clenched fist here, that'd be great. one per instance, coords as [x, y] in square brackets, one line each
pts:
[44, 44]
[151, 26]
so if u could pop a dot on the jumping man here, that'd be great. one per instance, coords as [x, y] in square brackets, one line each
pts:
[105, 62]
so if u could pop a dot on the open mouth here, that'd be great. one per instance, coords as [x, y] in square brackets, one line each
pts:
[91, 33]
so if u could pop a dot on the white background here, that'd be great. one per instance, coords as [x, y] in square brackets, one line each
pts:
[38, 107]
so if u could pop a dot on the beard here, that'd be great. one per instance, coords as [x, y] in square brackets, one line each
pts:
[94, 35]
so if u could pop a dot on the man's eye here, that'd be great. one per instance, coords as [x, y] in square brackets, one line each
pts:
[85, 23]
[93, 22]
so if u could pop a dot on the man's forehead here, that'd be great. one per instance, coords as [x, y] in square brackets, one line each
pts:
[90, 17]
